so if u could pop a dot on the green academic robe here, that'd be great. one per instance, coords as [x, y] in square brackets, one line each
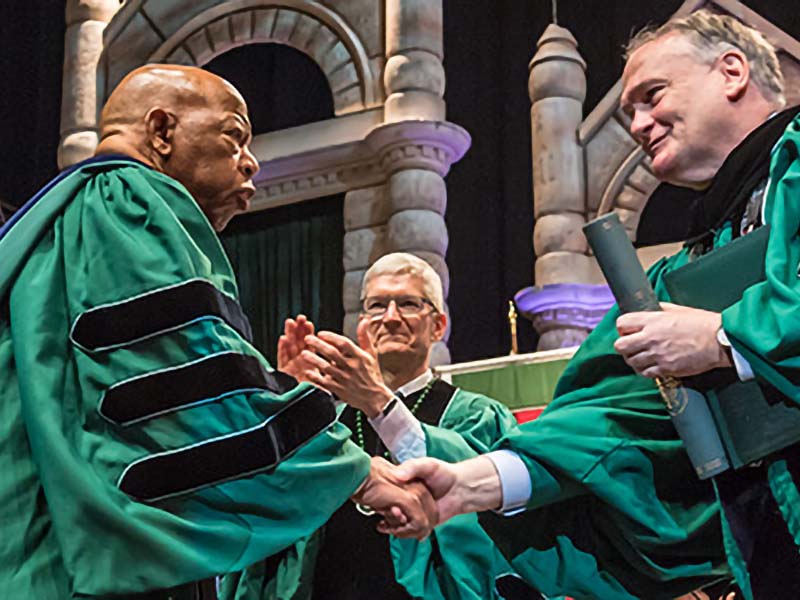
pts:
[764, 326]
[614, 495]
[132, 408]
[458, 562]
[616, 510]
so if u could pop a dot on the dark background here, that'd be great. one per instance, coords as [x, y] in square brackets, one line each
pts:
[488, 44]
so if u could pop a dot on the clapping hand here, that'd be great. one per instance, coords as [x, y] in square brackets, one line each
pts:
[291, 346]
[346, 370]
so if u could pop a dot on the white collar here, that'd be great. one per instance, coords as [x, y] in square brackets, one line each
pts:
[416, 384]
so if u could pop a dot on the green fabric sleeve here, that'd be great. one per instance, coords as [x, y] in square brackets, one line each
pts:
[764, 326]
[611, 480]
[129, 231]
[459, 561]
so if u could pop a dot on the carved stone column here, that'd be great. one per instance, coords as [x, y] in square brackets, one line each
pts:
[416, 195]
[86, 20]
[365, 216]
[561, 304]
[414, 75]
[557, 88]
[406, 214]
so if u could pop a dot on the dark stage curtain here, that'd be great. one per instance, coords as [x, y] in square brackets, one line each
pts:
[288, 261]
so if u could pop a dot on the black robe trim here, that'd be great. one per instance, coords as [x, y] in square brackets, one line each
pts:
[724, 200]
[232, 456]
[206, 380]
[154, 313]
[430, 411]
[348, 534]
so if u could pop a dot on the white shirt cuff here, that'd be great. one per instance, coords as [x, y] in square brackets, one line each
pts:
[401, 432]
[515, 481]
[743, 368]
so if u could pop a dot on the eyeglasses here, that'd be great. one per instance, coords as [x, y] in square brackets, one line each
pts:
[376, 306]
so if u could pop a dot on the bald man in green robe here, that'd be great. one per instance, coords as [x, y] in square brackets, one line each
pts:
[146, 445]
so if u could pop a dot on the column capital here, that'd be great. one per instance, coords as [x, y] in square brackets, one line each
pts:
[563, 314]
[429, 145]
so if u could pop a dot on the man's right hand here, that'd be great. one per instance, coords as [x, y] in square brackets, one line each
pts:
[407, 506]
[347, 371]
[469, 486]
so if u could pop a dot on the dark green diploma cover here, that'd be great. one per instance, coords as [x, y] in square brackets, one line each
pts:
[688, 408]
[753, 419]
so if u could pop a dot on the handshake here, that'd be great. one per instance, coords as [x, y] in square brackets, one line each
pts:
[419, 494]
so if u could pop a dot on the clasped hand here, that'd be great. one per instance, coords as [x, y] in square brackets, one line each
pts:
[407, 507]
[678, 341]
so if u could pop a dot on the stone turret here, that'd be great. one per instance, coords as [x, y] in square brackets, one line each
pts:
[564, 304]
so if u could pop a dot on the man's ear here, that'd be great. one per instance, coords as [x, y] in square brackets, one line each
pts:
[160, 126]
[439, 326]
[735, 70]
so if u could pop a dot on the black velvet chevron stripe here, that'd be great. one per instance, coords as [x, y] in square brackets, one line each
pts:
[233, 456]
[188, 385]
[156, 312]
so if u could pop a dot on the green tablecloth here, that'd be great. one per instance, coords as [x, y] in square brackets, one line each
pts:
[518, 386]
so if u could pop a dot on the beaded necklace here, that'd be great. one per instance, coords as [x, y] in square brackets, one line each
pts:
[417, 404]
[366, 510]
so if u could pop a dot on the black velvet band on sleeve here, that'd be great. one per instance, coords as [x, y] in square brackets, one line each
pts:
[156, 312]
[229, 457]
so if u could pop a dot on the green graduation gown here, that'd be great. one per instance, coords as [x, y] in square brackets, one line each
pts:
[764, 326]
[615, 511]
[614, 496]
[120, 473]
[458, 562]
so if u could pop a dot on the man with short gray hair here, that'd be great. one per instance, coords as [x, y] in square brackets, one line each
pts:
[602, 471]
[396, 407]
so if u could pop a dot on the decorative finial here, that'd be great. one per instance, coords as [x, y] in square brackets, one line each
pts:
[555, 12]
[512, 324]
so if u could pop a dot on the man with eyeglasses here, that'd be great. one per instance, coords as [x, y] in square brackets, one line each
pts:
[395, 407]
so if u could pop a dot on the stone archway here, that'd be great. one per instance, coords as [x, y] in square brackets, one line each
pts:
[389, 146]
[312, 29]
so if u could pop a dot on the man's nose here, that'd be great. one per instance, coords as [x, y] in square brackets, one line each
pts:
[248, 163]
[391, 314]
[641, 124]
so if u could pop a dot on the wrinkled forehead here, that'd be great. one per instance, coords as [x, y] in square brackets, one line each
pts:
[657, 60]
[223, 97]
[387, 284]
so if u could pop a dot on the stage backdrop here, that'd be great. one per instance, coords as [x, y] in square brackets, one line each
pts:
[488, 44]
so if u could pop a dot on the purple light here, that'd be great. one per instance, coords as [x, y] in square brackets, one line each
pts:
[576, 304]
